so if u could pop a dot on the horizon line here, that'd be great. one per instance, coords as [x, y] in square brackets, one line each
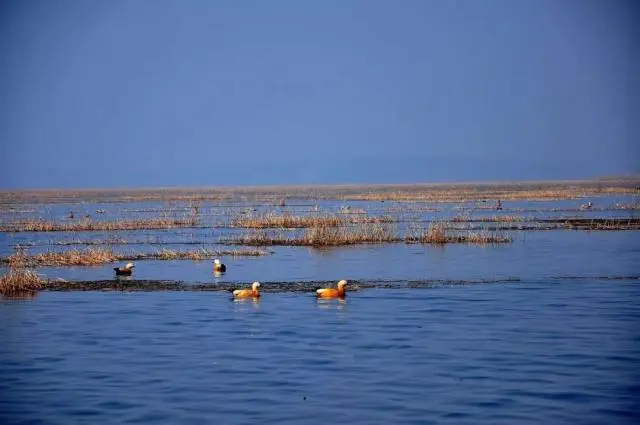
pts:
[623, 178]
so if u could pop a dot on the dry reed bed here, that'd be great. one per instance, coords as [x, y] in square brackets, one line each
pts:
[440, 233]
[98, 257]
[89, 225]
[319, 235]
[322, 235]
[120, 241]
[462, 195]
[275, 194]
[625, 223]
[289, 221]
[491, 219]
[20, 280]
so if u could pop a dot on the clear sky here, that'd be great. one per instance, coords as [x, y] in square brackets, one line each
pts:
[205, 93]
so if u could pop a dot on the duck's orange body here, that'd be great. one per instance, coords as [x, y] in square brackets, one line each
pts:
[246, 293]
[338, 292]
[254, 292]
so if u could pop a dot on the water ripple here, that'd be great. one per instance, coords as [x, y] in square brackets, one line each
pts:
[487, 354]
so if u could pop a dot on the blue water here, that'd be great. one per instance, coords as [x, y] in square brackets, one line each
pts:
[531, 255]
[561, 345]
[529, 352]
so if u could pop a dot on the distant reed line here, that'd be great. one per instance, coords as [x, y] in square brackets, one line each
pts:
[100, 256]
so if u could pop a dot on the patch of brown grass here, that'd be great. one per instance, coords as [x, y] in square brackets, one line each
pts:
[612, 223]
[73, 257]
[360, 233]
[286, 221]
[20, 280]
[480, 193]
[492, 219]
[439, 192]
[289, 221]
[321, 235]
[195, 255]
[98, 257]
[90, 225]
[439, 233]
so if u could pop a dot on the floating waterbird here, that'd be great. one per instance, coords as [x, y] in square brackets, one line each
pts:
[218, 266]
[333, 292]
[124, 271]
[246, 293]
[586, 206]
[498, 205]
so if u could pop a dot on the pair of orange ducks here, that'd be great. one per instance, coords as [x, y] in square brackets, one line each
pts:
[254, 292]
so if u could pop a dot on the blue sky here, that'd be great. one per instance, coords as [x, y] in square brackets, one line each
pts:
[206, 93]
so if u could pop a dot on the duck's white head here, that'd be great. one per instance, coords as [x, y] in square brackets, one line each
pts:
[342, 283]
[217, 262]
[129, 266]
[255, 286]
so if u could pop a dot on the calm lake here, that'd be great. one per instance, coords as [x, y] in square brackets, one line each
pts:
[559, 343]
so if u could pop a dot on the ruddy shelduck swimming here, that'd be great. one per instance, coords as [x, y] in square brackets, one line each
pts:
[124, 271]
[248, 293]
[218, 266]
[333, 292]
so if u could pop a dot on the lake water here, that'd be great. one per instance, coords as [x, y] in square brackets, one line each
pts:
[559, 345]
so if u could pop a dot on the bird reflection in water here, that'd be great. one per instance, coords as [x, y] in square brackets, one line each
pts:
[124, 278]
[245, 302]
[328, 304]
[19, 296]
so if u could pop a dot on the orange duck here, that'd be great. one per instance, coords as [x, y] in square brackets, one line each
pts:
[247, 293]
[333, 292]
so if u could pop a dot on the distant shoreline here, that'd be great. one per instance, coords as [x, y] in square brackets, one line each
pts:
[373, 191]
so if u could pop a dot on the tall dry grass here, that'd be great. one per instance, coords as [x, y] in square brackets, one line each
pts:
[19, 279]
[72, 257]
[286, 221]
[90, 225]
[100, 256]
[290, 221]
[491, 219]
[320, 235]
[440, 233]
